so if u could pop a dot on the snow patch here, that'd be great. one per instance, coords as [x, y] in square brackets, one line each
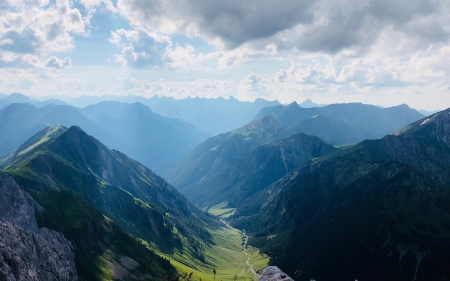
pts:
[424, 122]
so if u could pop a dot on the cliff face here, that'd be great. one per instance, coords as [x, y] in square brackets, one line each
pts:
[27, 252]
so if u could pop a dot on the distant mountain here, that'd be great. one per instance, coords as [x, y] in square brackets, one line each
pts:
[264, 165]
[84, 101]
[4, 103]
[154, 140]
[18, 98]
[428, 113]
[218, 152]
[21, 98]
[378, 210]
[20, 121]
[331, 130]
[373, 120]
[71, 174]
[214, 116]
[309, 103]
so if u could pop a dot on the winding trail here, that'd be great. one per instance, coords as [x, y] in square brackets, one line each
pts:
[244, 249]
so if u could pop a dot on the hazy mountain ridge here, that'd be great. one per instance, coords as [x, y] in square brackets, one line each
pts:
[380, 204]
[154, 140]
[20, 121]
[373, 120]
[20, 98]
[331, 130]
[212, 115]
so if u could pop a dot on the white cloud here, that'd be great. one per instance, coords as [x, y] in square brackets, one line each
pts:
[315, 26]
[55, 62]
[142, 49]
[35, 28]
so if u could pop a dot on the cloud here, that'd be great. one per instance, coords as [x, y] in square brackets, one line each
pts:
[313, 26]
[142, 49]
[55, 62]
[36, 28]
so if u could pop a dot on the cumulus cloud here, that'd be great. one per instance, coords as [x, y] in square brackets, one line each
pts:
[142, 49]
[36, 28]
[55, 62]
[315, 26]
[234, 21]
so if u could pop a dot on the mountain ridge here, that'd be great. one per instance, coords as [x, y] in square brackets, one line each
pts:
[362, 208]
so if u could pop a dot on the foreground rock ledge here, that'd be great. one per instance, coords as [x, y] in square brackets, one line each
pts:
[273, 273]
[26, 251]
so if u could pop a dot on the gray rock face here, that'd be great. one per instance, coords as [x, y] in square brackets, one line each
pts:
[273, 273]
[16, 206]
[27, 252]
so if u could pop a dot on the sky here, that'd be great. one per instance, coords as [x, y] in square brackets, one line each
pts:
[383, 52]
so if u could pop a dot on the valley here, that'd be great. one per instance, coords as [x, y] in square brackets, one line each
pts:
[228, 256]
[300, 188]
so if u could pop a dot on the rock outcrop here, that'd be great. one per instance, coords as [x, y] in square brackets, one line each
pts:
[273, 273]
[27, 252]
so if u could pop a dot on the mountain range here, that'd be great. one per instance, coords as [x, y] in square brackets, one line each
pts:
[150, 138]
[381, 204]
[214, 116]
[156, 141]
[20, 98]
[210, 165]
[368, 120]
[337, 192]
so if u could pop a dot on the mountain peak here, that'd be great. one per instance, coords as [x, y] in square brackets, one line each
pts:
[262, 126]
[17, 98]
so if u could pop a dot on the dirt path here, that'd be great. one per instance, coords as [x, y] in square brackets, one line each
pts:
[244, 249]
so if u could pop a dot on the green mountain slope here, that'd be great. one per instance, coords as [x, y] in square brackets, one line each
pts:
[220, 151]
[252, 173]
[375, 211]
[103, 250]
[150, 138]
[373, 120]
[58, 161]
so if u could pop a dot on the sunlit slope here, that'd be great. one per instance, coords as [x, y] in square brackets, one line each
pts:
[60, 160]
[102, 248]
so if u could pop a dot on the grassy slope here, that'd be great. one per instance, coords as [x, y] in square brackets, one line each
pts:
[97, 240]
[226, 256]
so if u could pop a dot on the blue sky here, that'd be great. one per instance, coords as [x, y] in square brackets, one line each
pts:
[381, 52]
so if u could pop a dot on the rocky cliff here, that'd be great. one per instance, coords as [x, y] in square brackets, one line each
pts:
[27, 252]
[273, 273]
